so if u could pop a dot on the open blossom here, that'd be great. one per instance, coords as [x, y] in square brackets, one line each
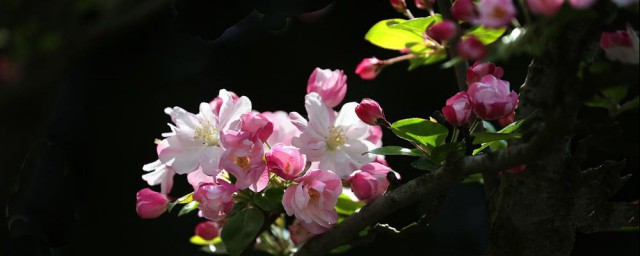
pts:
[298, 233]
[621, 46]
[194, 142]
[150, 204]
[257, 124]
[330, 84]
[216, 200]
[458, 110]
[285, 161]
[375, 135]
[313, 200]
[159, 173]
[339, 142]
[216, 103]
[370, 182]
[491, 98]
[495, 13]
[243, 159]
[283, 129]
[545, 7]
[208, 230]
[478, 70]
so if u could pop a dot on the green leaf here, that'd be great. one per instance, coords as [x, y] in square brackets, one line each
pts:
[421, 131]
[182, 200]
[270, 200]
[187, 208]
[424, 164]
[346, 206]
[486, 35]
[439, 153]
[383, 35]
[241, 230]
[418, 25]
[427, 59]
[474, 178]
[396, 151]
[452, 62]
[488, 126]
[500, 144]
[483, 137]
[197, 240]
[341, 249]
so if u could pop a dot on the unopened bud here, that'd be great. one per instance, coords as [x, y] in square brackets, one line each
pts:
[369, 68]
[445, 30]
[471, 49]
[370, 112]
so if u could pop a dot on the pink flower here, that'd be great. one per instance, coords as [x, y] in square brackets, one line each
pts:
[283, 129]
[216, 200]
[208, 230]
[258, 125]
[298, 233]
[495, 13]
[581, 4]
[375, 135]
[150, 204]
[370, 182]
[424, 4]
[478, 70]
[313, 200]
[369, 68]
[370, 112]
[508, 119]
[471, 48]
[458, 110]
[491, 99]
[243, 159]
[621, 45]
[464, 10]
[285, 161]
[443, 31]
[399, 5]
[216, 103]
[331, 85]
[545, 7]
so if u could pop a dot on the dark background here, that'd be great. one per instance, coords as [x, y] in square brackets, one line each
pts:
[74, 151]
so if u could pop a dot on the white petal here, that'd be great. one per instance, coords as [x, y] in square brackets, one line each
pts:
[319, 115]
[152, 166]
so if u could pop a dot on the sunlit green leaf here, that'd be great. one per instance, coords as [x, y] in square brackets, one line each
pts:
[396, 151]
[383, 35]
[421, 131]
[346, 206]
[486, 35]
[424, 164]
[197, 240]
[418, 25]
[182, 200]
[241, 229]
[187, 208]
[426, 60]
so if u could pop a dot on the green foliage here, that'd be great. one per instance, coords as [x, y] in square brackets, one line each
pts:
[397, 34]
[608, 97]
[270, 200]
[421, 131]
[396, 151]
[474, 178]
[427, 59]
[182, 200]
[439, 153]
[424, 164]
[187, 208]
[486, 35]
[242, 229]
[499, 144]
[346, 206]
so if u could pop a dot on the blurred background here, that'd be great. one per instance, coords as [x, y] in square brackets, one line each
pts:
[83, 85]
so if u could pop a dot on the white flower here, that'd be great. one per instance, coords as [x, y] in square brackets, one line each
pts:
[159, 173]
[194, 142]
[338, 143]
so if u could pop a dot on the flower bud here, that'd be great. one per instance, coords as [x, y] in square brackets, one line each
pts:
[285, 161]
[331, 85]
[621, 46]
[370, 182]
[495, 13]
[208, 230]
[443, 31]
[215, 200]
[478, 70]
[370, 112]
[471, 48]
[458, 110]
[399, 5]
[464, 10]
[490, 98]
[424, 4]
[259, 126]
[369, 68]
[545, 7]
[150, 204]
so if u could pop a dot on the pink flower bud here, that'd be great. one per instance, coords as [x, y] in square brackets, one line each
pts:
[464, 10]
[621, 45]
[370, 112]
[215, 200]
[445, 30]
[285, 161]
[457, 110]
[581, 4]
[490, 98]
[471, 48]
[478, 70]
[399, 5]
[150, 204]
[545, 7]
[495, 13]
[369, 68]
[331, 85]
[370, 182]
[424, 4]
[208, 230]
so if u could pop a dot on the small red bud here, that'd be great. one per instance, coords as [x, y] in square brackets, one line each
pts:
[399, 5]
[445, 30]
[424, 4]
[464, 10]
[370, 112]
[369, 68]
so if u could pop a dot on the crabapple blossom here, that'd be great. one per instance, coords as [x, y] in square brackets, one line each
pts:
[194, 142]
[285, 161]
[338, 143]
[621, 45]
[298, 233]
[471, 48]
[457, 110]
[370, 112]
[330, 84]
[545, 7]
[208, 230]
[369, 68]
[464, 10]
[258, 125]
[445, 30]
[370, 182]
[491, 99]
[478, 70]
[159, 173]
[283, 129]
[243, 159]
[495, 13]
[216, 103]
[313, 200]
[216, 200]
[150, 204]
[375, 135]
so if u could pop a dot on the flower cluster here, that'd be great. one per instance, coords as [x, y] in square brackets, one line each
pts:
[232, 153]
